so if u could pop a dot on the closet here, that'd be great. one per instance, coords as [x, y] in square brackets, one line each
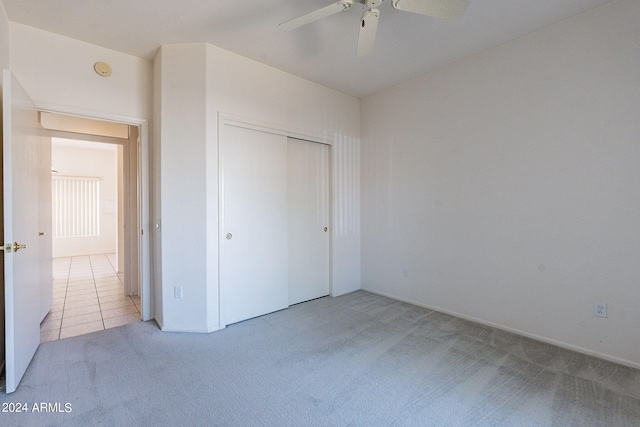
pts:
[274, 243]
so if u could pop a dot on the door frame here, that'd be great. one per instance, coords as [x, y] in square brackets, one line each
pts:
[143, 178]
[225, 119]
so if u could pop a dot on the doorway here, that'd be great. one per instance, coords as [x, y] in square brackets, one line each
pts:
[95, 206]
[87, 198]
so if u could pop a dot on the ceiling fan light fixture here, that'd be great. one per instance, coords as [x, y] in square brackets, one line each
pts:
[444, 9]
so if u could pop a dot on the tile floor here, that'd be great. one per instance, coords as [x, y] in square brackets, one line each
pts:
[88, 296]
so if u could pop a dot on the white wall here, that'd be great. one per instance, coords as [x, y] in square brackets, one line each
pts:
[181, 146]
[58, 74]
[242, 87]
[155, 236]
[508, 185]
[202, 79]
[95, 160]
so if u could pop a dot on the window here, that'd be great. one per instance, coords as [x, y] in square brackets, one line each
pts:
[76, 206]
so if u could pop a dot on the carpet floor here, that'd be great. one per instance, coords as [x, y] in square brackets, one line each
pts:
[356, 360]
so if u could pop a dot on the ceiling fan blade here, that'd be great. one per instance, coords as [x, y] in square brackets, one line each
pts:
[316, 15]
[368, 29]
[445, 9]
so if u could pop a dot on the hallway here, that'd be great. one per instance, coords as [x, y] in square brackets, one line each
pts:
[88, 296]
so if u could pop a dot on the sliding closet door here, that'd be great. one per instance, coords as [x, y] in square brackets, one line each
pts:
[254, 242]
[308, 220]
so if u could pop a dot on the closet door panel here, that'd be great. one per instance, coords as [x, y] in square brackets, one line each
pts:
[254, 233]
[308, 212]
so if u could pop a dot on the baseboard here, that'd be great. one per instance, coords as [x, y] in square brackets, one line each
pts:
[158, 322]
[213, 328]
[561, 344]
[343, 292]
[192, 331]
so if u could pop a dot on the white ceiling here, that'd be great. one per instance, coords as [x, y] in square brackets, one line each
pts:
[407, 45]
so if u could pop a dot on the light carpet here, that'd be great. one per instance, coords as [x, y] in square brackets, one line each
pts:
[356, 360]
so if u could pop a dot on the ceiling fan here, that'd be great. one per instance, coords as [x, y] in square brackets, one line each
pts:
[444, 9]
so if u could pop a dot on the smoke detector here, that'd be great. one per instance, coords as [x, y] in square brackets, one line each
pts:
[102, 68]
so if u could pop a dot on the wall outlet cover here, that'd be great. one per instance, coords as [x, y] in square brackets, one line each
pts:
[600, 309]
[177, 292]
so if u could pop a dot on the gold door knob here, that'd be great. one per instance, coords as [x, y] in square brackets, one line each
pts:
[326, 229]
[17, 246]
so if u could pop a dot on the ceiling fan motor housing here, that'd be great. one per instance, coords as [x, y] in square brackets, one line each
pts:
[372, 3]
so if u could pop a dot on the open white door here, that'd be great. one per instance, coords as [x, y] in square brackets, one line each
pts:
[21, 219]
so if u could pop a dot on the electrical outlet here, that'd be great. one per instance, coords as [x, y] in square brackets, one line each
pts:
[177, 292]
[600, 309]
[405, 272]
